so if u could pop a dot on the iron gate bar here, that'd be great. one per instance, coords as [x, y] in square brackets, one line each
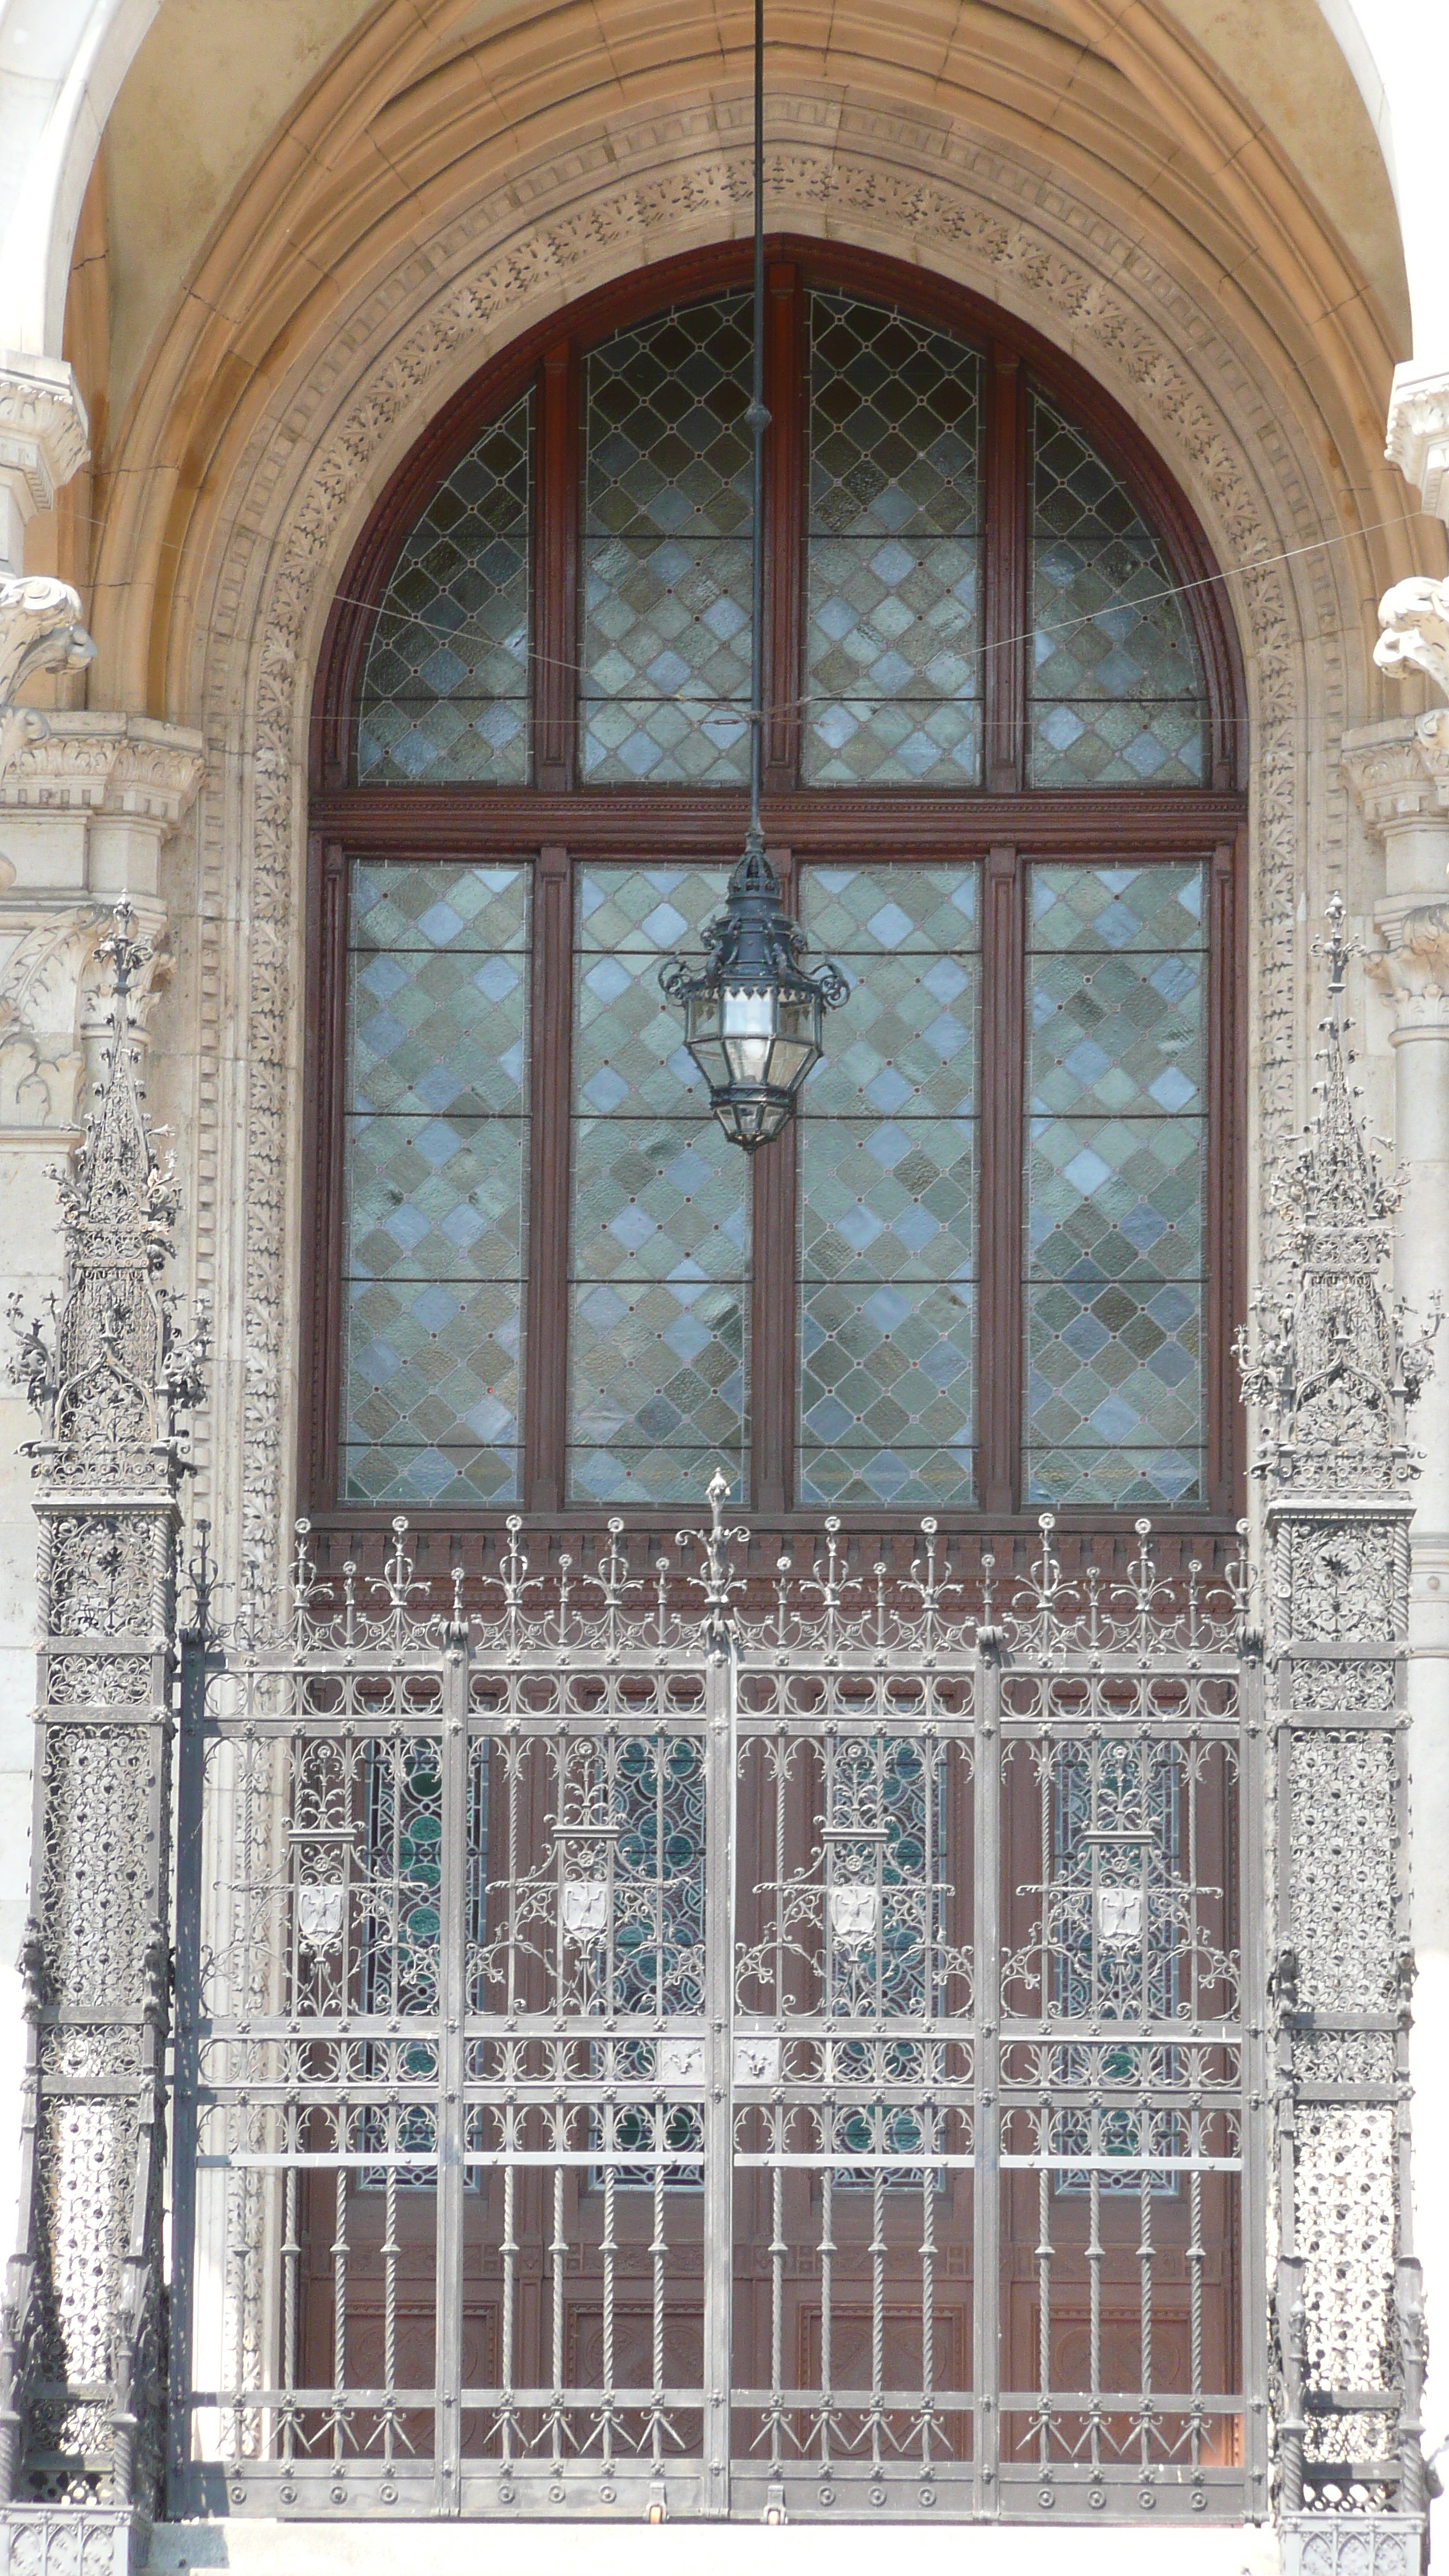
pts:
[732, 1947]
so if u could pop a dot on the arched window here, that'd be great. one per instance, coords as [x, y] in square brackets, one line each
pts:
[993, 1269]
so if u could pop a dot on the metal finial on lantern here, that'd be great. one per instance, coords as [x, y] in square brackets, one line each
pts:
[753, 1011]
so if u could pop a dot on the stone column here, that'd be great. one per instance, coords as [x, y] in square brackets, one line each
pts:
[1400, 775]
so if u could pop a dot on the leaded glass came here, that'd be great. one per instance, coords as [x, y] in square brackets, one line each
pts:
[893, 653]
[436, 1131]
[444, 695]
[888, 1192]
[666, 551]
[1116, 689]
[660, 1244]
[1116, 1138]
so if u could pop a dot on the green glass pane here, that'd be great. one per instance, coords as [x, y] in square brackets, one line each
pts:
[886, 1393]
[444, 691]
[1157, 906]
[436, 904]
[656, 1373]
[904, 1044]
[630, 1059]
[1122, 1035]
[430, 1390]
[442, 1032]
[893, 611]
[888, 1188]
[883, 912]
[657, 1198]
[1115, 1479]
[887, 1198]
[660, 1241]
[1115, 1186]
[433, 1210]
[1116, 688]
[1115, 1198]
[666, 550]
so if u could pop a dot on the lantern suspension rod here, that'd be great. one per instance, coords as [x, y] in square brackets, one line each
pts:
[759, 422]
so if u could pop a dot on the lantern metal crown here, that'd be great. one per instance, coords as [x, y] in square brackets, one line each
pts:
[753, 1010]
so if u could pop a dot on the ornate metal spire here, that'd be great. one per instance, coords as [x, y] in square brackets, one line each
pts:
[109, 1372]
[1332, 1367]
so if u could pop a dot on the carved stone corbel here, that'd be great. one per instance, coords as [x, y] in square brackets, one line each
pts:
[40, 630]
[1414, 616]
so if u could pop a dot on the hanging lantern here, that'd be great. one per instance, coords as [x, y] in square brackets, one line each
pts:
[753, 1012]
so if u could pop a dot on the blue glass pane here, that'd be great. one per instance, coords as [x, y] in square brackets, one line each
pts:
[1116, 689]
[888, 1188]
[436, 1156]
[666, 550]
[1115, 1152]
[893, 614]
[444, 693]
[659, 1263]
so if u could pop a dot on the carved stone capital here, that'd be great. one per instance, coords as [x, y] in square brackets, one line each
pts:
[1399, 771]
[53, 1000]
[1413, 967]
[44, 434]
[1418, 439]
[1414, 616]
[114, 764]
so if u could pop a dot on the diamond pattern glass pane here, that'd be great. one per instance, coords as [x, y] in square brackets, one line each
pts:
[444, 694]
[1116, 1138]
[660, 1251]
[887, 1225]
[1116, 688]
[436, 1154]
[893, 650]
[666, 545]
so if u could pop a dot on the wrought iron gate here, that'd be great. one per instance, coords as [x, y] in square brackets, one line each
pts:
[645, 2049]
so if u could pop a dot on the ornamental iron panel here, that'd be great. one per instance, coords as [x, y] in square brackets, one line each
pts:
[647, 2048]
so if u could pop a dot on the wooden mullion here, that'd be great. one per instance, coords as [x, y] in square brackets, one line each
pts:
[555, 571]
[1004, 576]
[1226, 1159]
[773, 1295]
[545, 1398]
[785, 472]
[999, 1268]
[324, 1095]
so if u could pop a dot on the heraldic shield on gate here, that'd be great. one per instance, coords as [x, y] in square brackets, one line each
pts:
[665, 2041]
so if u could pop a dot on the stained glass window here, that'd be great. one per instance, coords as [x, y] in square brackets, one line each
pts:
[893, 654]
[666, 550]
[888, 1192]
[968, 586]
[436, 1152]
[444, 693]
[660, 1247]
[1116, 1137]
[1116, 688]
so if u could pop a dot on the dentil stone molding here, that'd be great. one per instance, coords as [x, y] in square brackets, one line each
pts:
[1414, 616]
[975, 212]
[1418, 440]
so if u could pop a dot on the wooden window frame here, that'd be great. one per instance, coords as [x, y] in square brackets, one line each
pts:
[556, 824]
